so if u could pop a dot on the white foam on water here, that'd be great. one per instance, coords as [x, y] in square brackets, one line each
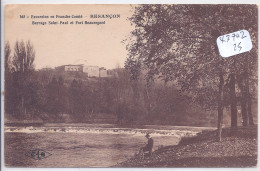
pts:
[135, 132]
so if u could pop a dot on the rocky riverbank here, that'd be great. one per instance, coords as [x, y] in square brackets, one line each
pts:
[238, 148]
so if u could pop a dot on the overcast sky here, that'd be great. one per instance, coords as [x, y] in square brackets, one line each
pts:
[71, 44]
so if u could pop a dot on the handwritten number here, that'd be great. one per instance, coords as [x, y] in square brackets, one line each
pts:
[234, 36]
[227, 37]
[239, 46]
[242, 32]
[222, 39]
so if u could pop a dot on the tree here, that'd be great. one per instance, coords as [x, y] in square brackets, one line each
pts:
[24, 55]
[7, 59]
[77, 100]
[52, 99]
[22, 69]
[178, 42]
[120, 84]
[8, 79]
[56, 97]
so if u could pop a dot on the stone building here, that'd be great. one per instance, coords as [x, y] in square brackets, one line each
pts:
[72, 68]
[102, 72]
[92, 71]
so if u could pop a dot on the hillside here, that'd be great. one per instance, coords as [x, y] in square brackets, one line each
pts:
[73, 97]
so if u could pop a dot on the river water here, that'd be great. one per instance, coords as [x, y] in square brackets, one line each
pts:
[84, 145]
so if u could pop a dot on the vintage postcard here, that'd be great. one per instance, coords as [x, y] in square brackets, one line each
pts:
[131, 85]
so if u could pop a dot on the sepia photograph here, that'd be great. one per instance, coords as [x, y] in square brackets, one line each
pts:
[130, 86]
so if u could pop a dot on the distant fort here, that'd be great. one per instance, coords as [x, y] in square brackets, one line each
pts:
[92, 71]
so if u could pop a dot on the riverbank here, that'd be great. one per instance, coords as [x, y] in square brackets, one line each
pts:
[236, 150]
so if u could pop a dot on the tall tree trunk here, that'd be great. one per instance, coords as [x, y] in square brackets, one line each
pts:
[243, 86]
[148, 103]
[248, 101]
[22, 104]
[220, 105]
[233, 101]
[249, 110]
[148, 98]
[135, 89]
[243, 108]
[248, 95]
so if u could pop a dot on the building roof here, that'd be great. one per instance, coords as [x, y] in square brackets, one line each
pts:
[73, 65]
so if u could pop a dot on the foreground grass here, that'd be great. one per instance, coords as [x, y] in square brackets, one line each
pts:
[238, 148]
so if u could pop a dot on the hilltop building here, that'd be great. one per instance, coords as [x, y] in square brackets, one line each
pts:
[46, 69]
[112, 73]
[92, 71]
[102, 72]
[73, 68]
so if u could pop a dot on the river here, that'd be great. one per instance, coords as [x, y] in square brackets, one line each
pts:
[84, 145]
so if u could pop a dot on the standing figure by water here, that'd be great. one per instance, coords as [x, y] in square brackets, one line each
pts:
[148, 147]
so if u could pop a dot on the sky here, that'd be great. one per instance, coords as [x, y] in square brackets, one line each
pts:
[61, 44]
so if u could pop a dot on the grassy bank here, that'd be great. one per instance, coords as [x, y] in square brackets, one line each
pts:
[237, 149]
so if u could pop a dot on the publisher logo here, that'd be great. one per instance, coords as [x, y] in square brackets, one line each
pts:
[38, 154]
